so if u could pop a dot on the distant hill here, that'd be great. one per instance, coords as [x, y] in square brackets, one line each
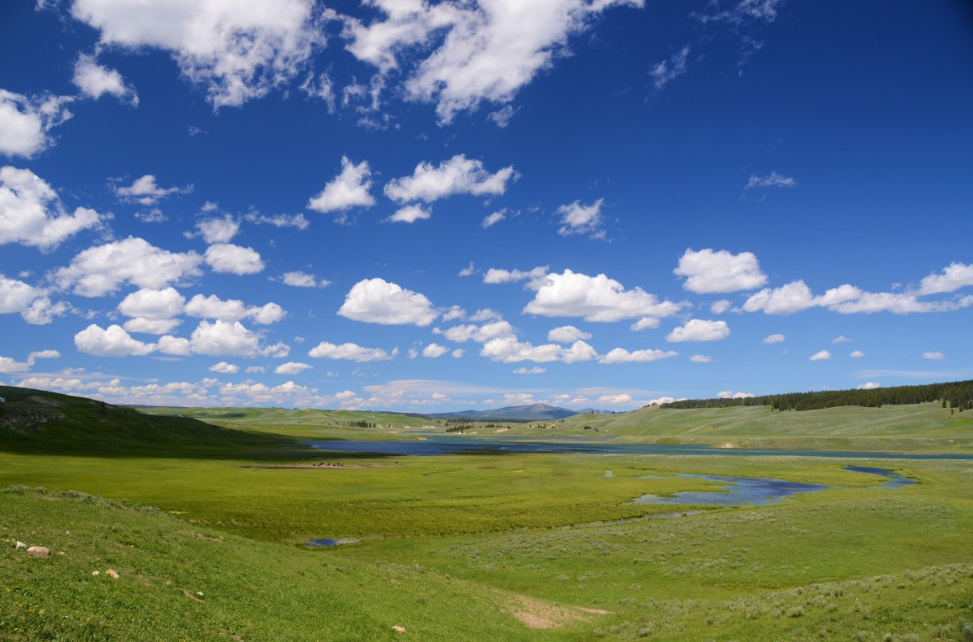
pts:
[535, 412]
[955, 395]
[48, 422]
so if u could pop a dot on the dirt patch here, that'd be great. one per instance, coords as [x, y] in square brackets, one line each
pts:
[537, 614]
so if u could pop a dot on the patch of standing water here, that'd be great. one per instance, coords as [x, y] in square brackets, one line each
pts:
[738, 492]
[893, 479]
[327, 541]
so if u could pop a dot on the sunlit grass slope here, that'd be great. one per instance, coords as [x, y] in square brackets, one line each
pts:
[183, 582]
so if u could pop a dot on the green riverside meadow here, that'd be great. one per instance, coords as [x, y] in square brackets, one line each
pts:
[223, 524]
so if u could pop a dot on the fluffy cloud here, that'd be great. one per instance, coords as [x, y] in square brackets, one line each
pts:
[31, 303]
[379, 301]
[94, 81]
[721, 306]
[699, 330]
[458, 175]
[772, 180]
[621, 355]
[935, 356]
[410, 214]
[840, 339]
[212, 307]
[25, 122]
[720, 272]
[954, 277]
[225, 368]
[492, 219]
[480, 334]
[145, 191]
[113, 342]
[349, 351]
[100, 270]
[349, 189]
[582, 219]
[645, 323]
[152, 304]
[595, 298]
[567, 334]
[488, 50]
[824, 355]
[700, 358]
[774, 338]
[303, 280]
[32, 214]
[495, 275]
[857, 354]
[434, 351]
[151, 326]
[238, 51]
[846, 299]
[870, 385]
[223, 339]
[292, 368]
[218, 230]
[233, 259]
[8, 365]
[509, 350]
[728, 394]
[619, 399]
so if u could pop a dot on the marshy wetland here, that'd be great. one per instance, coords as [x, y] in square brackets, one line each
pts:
[491, 545]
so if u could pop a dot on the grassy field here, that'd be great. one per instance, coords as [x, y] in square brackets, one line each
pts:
[475, 547]
[910, 428]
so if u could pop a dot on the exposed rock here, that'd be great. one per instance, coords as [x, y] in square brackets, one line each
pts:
[95, 573]
[112, 573]
[39, 551]
[398, 629]
[20, 545]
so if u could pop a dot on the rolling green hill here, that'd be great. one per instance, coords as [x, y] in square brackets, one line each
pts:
[39, 421]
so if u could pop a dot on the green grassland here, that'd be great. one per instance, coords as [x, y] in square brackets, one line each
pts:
[475, 547]
[926, 427]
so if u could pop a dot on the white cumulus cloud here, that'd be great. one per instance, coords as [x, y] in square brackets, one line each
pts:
[233, 259]
[410, 214]
[349, 351]
[434, 351]
[225, 368]
[351, 188]
[567, 334]
[496, 275]
[31, 212]
[238, 51]
[300, 279]
[379, 301]
[292, 368]
[595, 298]
[145, 191]
[223, 339]
[934, 356]
[953, 277]
[111, 342]
[25, 122]
[101, 270]
[458, 175]
[621, 355]
[823, 355]
[720, 272]
[95, 80]
[699, 330]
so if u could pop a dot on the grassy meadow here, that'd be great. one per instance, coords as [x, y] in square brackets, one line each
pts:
[209, 544]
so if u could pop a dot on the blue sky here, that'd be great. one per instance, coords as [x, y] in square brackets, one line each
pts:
[427, 206]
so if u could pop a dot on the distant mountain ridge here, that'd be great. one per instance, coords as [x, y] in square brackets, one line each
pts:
[533, 412]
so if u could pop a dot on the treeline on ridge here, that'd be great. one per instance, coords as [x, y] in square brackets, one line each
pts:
[957, 395]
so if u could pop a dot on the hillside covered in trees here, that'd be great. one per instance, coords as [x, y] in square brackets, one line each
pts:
[958, 395]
